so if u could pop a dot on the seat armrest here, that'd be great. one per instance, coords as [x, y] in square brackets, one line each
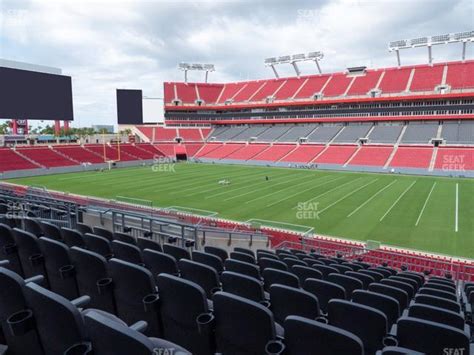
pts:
[81, 301]
[139, 326]
[38, 279]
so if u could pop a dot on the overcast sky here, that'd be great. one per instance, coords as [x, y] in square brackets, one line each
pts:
[109, 44]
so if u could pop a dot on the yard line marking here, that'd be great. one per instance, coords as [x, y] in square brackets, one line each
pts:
[300, 192]
[347, 195]
[398, 199]
[371, 198]
[424, 206]
[244, 187]
[456, 227]
[252, 191]
[278, 191]
[325, 193]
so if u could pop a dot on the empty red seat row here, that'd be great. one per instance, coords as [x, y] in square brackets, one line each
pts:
[46, 157]
[412, 157]
[372, 155]
[78, 153]
[303, 154]
[336, 154]
[275, 152]
[9, 160]
[455, 159]
[248, 152]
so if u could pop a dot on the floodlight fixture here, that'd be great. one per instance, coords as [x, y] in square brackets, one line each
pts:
[195, 66]
[293, 59]
[460, 37]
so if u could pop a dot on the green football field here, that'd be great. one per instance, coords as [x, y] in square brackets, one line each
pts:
[424, 213]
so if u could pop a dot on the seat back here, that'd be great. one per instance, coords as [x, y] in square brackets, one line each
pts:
[203, 275]
[158, 262]
[242, 326]
[349, 283]
[430, 337]
[286, 301]
[32, 226]
[124, 237]
[125, 340]
[61, 273]
[438, 302]
[146, 243]
[92, 278]
[58, 322]
[176, 251]
[441, 287]
[32, 261]
[72, 237]
[242, 257]
[135, 294]
[104, 233]
[303, 336]
[274, 276]
[51, 231]
[266, 263]
[98, 244]
[290, 262]
[400, 295]
[386, 304]
[84, 228]
[208, 259]
[126, 251]
[245, 251]
[305, 272]
[181, 302]
[221, 253]
[243, 286]
[325, 270]
[242, 268]
[400, 285]
[377, 276]
[342, 314]
[9, 249]
[13, 303]
[436, 314]
[408, 280]
[324, 291]
[437, 293]
[365, 279]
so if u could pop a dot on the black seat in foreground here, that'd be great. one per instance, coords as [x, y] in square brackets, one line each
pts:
[51, 231]
[72, 238]
[93, 279]
[208, 259]
[303, 336]
[245, 251]
[243, 286]
[61, 273]
[135, 294]
[273, 276]
[266, 263]
[242, 268]
[242, 257]
[176, 251]
[221, 253]
[243, 326]
[203, 275]
[98, 244]
[127, 252]
[305, 272]
[181, 303]
[439, 315]
[158, 262]
[109, 337]
[349, 283]
[430, 337]
[373, 329]
[124, 237]
[9, 249]
[287, 301]
[386, 304]
[32, 261]
[396, 350]
[104, 233]
[146, 243]
[13, 308]
[400, 295]
[324, 291]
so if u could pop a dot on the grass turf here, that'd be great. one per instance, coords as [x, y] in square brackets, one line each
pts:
[408, 211]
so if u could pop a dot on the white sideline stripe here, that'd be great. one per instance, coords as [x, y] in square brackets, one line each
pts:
[456, 226]
[325, 193]
[424, 206]
[371, 198]
[300, 192]
[252, 191]
[398, 199]
[347, 195]
[243, 187]
[286, 188]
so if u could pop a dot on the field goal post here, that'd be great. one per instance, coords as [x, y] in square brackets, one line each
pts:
[111, 162]
[135, 201]
[373, 244]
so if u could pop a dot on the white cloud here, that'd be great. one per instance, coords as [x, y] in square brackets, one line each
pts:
[109, 44]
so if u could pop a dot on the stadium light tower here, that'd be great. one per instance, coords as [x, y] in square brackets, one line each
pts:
[429, 42]
[293, 60]
[195, 66]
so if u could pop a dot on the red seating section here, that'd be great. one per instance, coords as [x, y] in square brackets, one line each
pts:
[312, 86]
[186, 92]
[192, 149]
[304, 154]
[147, 131]
[209, 92]
[80, 154]
[46, 157]
[451, 158]
[230, 90]
[363, 84]
[412, 157]
[395, 80]
[248, 152]
[426, 78]
[190, 134]
[461, 75]
[248, 91]
[169, 92]
[337, 86]
[110, 152]
[223, 151]
[275, 152]
[136, 152]
[167, 149]
[336, 154]
[9, 160]
[268, 90]
[372, 155]
[165, 134]
[289, 89]
[208, 148]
